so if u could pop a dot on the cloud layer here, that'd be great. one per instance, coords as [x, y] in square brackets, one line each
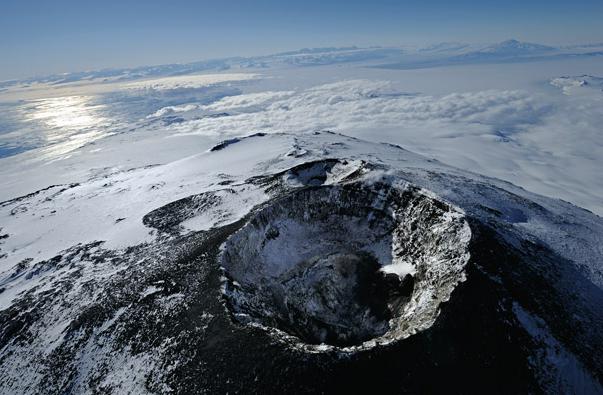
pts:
[549, 144]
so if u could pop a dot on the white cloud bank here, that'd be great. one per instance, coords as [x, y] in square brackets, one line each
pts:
[188, 81]
[549, 144]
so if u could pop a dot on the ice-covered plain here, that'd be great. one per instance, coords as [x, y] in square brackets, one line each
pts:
[160, 226]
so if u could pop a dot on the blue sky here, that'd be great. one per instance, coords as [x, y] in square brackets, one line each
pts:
[43, 37]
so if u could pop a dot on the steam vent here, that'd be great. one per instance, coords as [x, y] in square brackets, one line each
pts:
[348, 266]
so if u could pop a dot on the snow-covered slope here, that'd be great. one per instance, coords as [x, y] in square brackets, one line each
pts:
[121, 283]
[502, 121]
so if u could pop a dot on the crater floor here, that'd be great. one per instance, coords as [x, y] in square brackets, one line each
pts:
[350, 265]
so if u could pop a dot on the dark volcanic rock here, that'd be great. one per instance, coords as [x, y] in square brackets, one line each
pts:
[309, 279]
[466, 305]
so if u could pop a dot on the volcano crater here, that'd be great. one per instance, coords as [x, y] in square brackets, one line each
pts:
[348, 266]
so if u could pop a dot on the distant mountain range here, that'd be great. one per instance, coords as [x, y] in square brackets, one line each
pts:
[509, 51]
[382, 57]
